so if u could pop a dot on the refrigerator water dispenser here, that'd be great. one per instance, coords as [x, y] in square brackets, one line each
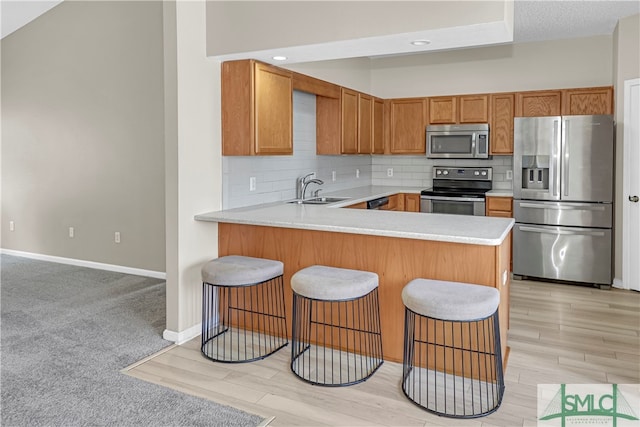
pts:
[535, 172]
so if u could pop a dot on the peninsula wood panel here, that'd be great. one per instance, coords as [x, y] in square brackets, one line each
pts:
[396, 261]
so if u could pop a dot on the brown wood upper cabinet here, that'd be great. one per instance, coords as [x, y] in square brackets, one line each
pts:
[349, 121]
[257, 109]
[351, 124]
[501, 123]
[587, 101]
[580, 101]
[378, 126]
[538, 103]
[459, 109]
[407, 123]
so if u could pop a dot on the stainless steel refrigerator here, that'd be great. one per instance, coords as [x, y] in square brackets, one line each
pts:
[563, 198]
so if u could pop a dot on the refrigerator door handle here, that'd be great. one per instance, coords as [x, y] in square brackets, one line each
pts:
[565, 156]
[562, 231]
[585, 207]
[555, 163]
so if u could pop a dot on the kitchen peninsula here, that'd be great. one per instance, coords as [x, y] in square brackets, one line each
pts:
[398, 246]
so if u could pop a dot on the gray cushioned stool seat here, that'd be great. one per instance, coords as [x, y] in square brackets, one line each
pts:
[236, 270]
[452, 363]
[333, 284]
[336, 338]
[450, 300]
[243, 309]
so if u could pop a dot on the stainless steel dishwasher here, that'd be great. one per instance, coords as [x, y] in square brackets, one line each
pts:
[378, 203]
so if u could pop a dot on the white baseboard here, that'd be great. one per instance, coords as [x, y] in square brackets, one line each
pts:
[183, 336]
[89, 264]
[617, 283]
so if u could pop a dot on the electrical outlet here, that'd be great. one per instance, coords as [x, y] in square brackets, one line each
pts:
[252, 183]
[116, 237]
[333, 175]
[357, 173]
[390, 172]
[12, 226]
[71, 232]
[509, 175]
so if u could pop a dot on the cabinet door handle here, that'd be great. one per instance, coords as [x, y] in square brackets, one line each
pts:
[633, 199]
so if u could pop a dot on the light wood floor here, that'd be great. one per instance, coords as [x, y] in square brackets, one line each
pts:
[558, 334]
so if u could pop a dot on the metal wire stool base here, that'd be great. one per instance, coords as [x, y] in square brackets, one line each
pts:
[453, 368]
[336, 343]
[243, 323]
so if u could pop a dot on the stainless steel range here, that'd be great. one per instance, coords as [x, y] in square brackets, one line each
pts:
[459, 191]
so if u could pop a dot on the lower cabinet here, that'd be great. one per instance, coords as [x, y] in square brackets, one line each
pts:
[407, 202]
[502, 207]
[499, 206]
[361, 205]
[411, 202]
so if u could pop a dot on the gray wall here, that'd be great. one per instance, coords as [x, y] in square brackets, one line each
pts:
[83, 134]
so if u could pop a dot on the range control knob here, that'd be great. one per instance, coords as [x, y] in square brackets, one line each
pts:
[484, 173]
[445, 172]
[438, 172]
[476, 173]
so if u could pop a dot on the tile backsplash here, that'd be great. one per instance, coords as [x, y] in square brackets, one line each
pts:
[417, 171]
[275, 176]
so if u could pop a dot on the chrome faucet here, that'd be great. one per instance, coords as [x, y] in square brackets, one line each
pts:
[303, 182]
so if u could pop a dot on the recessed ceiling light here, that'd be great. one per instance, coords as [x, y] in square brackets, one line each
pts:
[420, 42]
[279, 58]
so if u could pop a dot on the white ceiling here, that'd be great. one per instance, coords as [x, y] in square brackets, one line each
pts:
[552, 20]
[535, 20]
[15, 14]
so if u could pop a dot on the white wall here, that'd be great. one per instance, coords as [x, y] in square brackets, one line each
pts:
[626, 43]
[83, 134]
[569, 63]
[278, 24]
[193, 163]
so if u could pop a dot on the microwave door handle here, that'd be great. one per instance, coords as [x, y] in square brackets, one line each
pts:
[473, 144]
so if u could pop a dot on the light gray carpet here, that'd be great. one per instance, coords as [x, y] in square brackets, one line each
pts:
[67, 332]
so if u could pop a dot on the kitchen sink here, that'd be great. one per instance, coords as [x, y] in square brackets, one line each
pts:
[318, 200]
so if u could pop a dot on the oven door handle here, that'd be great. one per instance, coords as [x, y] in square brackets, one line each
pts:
[453, 199]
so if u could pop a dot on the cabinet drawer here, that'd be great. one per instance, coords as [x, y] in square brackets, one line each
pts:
[499, 204]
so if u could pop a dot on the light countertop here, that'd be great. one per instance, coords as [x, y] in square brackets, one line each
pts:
[477, 230]
[499, 193]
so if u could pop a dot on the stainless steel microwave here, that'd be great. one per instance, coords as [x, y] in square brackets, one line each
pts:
[458, 141]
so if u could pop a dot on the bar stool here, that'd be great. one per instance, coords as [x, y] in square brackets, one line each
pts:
[452, 362]
[243, 311]
[336, 337]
